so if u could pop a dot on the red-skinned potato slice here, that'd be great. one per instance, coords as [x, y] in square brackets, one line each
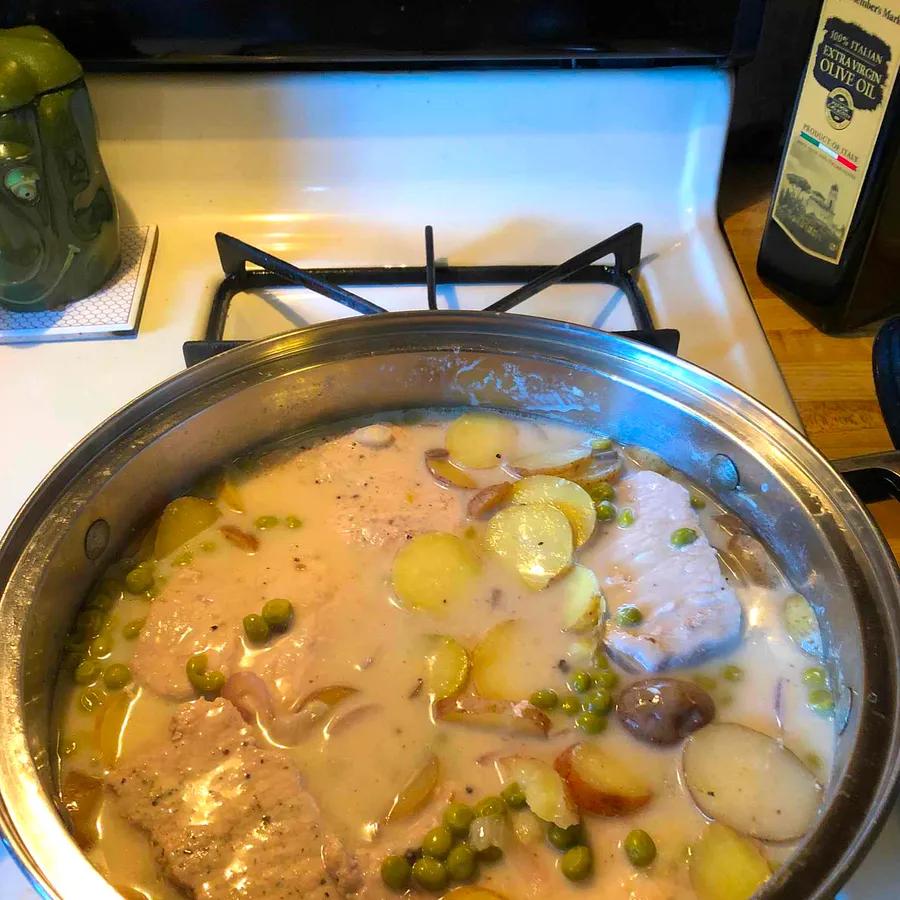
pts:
[488, 500]
[750, 782]
[600, 783]
[565, 463]
[445, 473]
[725, 866]
[494, 715]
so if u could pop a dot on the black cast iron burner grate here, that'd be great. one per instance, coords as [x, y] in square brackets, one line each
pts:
[624, 247]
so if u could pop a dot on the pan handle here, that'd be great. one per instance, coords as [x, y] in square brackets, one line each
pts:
[876, 476]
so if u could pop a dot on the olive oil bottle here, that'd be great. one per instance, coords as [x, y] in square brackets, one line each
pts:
[831, 245]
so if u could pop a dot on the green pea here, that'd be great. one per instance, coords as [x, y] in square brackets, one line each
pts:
[116, 676]
[458, 817]
[90, 622]
[601, 490]
[490, 806]
[203, 681]
[544, 699]
[590, 723]
[140, 578]
[213, 682]
[490, 854]
[599, 702]
[293, 522]
[815, 677]
[429, 873]
[821, 701]
[606, 678]
[183, 559]
[707, 682]
[733, 673]
[513, 796]
[625, 518]
[629, 616]
[263, 523]
[681, 537]
[601, 444]
[697, 502]
[438, 842]
[577, 863]
[208, 546]
[278, 612]
[570, 705]
[395, 872]
[87, 671]
[133, 628]
[639, 848]
[91, 700]
[581, 682]
[100, 646]
[606, 512]
[461, 862]
[256, 628]
[564, 838]
[102, 601]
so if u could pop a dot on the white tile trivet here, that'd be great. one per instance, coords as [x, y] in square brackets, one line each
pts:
[114, 311]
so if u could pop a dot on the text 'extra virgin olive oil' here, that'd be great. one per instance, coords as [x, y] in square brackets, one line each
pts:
[831, 246]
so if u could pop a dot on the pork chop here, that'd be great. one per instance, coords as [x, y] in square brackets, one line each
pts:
[230, 818]
[689, 611]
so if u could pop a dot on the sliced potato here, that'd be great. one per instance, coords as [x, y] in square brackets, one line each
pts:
[182, 520]
[647, 459]
[495, 715]
[480, 440]
[488, 500]
[81, 796]
[445, 473]
[584, 605]
[230, 494]
[750, 782]
[417, 791]
[330, 695]
[600, 783]
[802, 626]
[606, 467]
[571, 499]
[751, 559]
[446, 667]
[471, 892]
[725, 866]
[534, 540]
[545, 791]
[433, 570]
[565, 463]
[503, 665]
[108, 728]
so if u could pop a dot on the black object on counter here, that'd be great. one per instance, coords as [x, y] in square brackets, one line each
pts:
[831, 245]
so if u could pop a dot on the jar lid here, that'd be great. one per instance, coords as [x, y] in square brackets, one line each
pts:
[32, 62]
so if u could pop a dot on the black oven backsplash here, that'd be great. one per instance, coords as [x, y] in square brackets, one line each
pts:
[117, 34]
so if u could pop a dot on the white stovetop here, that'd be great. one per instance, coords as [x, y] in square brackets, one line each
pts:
[509, 167]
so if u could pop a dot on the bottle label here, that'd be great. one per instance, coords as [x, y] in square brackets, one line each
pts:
[846, 89]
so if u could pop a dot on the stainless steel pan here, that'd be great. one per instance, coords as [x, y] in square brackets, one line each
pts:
[86, 510]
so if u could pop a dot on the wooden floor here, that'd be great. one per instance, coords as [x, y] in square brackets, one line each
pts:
[830, 378]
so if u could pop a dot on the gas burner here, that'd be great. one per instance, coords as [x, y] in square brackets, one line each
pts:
[269, 271]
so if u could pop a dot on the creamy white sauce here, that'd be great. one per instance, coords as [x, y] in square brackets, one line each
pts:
[349, 630]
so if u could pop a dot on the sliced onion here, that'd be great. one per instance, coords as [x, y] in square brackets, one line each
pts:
[487, 831]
